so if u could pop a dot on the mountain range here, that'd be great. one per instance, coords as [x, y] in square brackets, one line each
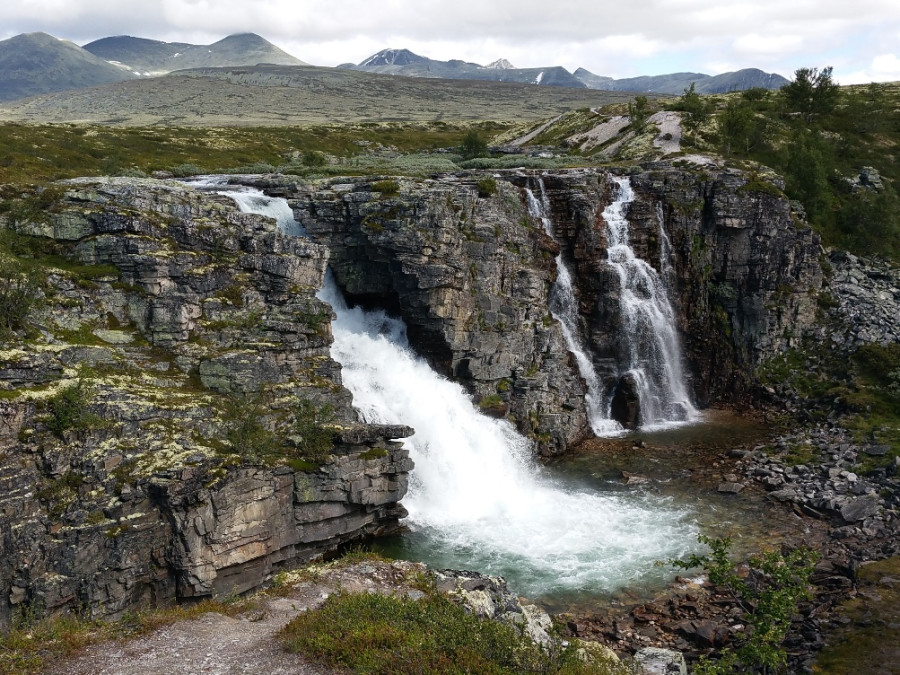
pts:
[405, 62]
[153, 57]
[37, 63]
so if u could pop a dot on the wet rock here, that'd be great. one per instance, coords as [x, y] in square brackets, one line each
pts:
[626, 407]
[730, 488]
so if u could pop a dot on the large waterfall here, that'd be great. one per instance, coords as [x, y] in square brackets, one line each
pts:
[652, 358]
[476, 499]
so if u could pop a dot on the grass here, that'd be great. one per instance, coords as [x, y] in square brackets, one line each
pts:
[396, 635]
[41, 153]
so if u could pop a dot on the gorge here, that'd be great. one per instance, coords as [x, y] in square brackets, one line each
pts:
[496, 309]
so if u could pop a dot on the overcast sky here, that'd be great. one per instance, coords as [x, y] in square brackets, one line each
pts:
[860, 38]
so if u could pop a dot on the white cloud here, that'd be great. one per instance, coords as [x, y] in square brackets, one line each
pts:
[605, 36]
[884, 68]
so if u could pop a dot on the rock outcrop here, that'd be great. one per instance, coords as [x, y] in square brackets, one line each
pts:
[470, 275]
[151, 445]
[462, 261]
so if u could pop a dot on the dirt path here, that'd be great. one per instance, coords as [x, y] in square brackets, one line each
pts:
[215, 644]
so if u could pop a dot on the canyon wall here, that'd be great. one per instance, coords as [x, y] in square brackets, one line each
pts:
[173, 332]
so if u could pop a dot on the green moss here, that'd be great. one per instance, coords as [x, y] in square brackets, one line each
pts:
[374, 453]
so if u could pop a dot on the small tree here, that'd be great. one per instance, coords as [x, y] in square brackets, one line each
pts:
[741, 130]
[813, 92]
[19, 293]
[473, 145]
[638, 111]
[696, 110]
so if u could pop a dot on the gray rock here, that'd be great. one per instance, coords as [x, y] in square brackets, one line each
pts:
[657, 661]
[860, 508]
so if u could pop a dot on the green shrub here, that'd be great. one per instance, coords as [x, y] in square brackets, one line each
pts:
[769, 595]
[314, 438]
[186, 170]
[68, 410]
[487, 187]
[386, 187]
[395, 635]
[245, 430]
[313, 158]
[20, 292]
[473, 145]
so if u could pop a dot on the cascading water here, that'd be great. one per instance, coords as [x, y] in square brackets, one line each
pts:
[476, 498]
[653, 356]
[564, 308]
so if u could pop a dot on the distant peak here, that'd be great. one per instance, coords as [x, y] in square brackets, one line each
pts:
[500, 64]
[393, 57]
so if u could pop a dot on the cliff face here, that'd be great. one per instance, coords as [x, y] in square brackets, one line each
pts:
[169, 322]
[471, 275]
[155, 420]
[743, 273]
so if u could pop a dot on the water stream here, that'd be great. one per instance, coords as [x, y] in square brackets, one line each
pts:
[477, 500]
[648, 322]
[652, 357]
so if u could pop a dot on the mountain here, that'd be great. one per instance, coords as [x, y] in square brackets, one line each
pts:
[37, 63]
[153, 57]
[405, 62]
[676, 83]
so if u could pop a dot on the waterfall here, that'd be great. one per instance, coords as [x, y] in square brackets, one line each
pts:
[653, 356]
[477, 500]
[564, 308]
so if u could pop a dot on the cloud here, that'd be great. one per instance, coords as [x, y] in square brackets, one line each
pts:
[884, 68]
[604, 36]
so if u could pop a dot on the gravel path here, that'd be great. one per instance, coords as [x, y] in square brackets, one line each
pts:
[215, 644]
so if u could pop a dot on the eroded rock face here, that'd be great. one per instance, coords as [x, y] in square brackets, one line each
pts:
[171, 304]
[471, 276]
[744, 274]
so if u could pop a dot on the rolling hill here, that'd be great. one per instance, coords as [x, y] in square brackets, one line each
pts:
[153, 57]
[37, 63]
[676, 83]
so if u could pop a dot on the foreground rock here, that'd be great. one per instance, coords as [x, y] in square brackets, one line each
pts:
[167, 318]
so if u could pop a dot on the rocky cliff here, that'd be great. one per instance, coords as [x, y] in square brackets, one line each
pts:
[470, 270]
[172, 424]
[157, 414]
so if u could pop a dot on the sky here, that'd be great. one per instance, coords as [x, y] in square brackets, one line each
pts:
[860, 39]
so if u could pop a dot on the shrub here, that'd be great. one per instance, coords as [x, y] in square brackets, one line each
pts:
[473, 145]
[19, 294]
[769, 595]
[68, 410]
[487, 187]
[314, 439]
[245, 430]
[386, 187]
[313, 158]
[186, 170]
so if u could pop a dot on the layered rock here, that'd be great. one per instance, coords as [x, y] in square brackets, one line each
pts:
[744, 273]
[167, 320]
[470, 272]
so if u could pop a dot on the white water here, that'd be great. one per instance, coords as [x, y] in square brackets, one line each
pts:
[477, 500]
[564, 308]
[648, 322]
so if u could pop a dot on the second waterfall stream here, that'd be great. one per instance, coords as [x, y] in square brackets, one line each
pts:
[477, 500]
